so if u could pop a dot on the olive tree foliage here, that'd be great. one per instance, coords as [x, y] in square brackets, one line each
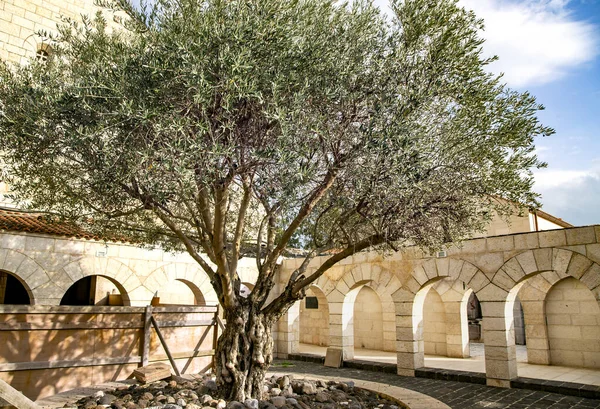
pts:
[227, 128]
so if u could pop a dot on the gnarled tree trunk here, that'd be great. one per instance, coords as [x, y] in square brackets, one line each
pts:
[244, 353]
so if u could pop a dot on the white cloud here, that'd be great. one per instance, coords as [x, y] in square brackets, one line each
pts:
[572, 195]
[537, 41]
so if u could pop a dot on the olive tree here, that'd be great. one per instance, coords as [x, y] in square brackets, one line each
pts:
[234, 127]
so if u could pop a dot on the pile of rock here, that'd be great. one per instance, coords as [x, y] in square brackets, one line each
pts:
[283, 392]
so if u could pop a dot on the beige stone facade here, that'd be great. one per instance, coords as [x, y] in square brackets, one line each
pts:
[556, 275]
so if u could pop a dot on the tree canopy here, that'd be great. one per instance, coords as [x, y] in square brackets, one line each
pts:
[249, 126]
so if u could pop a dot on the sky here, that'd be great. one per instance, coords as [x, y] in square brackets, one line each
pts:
[551, 48]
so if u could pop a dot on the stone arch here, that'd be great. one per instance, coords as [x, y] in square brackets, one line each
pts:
[317, 333]
[184, 272]
[5, 282]
[409, 301]
[128, 283]
[573, 319]
[552, 265]
[123, 292]
[31, 274]
[341, 295]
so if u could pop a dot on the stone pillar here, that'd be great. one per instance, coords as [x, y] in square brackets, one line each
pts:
[288, 328]
[341, 322]
[499, 341]
[457, 329]
[409, 332]
[3, 279]
[536, 332]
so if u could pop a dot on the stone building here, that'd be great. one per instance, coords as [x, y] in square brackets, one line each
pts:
[410, 303]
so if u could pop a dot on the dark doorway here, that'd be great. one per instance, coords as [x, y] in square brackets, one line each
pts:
[12, 291]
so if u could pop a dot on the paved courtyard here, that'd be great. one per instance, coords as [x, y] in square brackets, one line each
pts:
[476, 363]
[457, 395]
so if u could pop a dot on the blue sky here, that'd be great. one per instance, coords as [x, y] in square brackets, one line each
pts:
[552, 49]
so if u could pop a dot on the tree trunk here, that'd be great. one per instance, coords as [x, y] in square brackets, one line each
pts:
[244, 353]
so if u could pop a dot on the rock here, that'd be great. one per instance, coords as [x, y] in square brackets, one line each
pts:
[142, 403]
[210, 385]
[251, 403]
[354, 405]
[147, 396]
[193, 396]
[234, 404]
[171, 406]
[275, 392]
[131, 405]
[309, 388]
[98, 394]
[206, 398]
[181, 402]
[291, 401]
[192, 406]
[221, 404]
[107, 399]
[170, 399]
[173, 384]
[90, 404]
[278, 401]
[283, 382]
[322, 397]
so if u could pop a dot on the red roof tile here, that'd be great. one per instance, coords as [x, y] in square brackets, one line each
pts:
[14, 220]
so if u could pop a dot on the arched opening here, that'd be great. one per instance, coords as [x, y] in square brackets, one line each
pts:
[95, 290]
[434, 324]
[368, 320]
[474, 316]
[314, 319]
[12, 290]
[573, 318]
[181, 292]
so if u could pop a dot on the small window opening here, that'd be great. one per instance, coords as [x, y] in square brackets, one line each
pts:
[312, 303]
[42, 55]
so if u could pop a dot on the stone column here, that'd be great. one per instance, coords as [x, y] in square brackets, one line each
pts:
[288, 328]
[536, 333]
[457, 330]
[409, 331]
[341, 322]
[499, 341]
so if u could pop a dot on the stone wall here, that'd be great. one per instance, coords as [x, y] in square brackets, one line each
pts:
[573, 319]
[21, 20]
[434, 324]
[368, 320]
[314, 323]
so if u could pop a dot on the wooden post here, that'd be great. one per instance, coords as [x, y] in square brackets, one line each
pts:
[164, 344]
[146, 335]
[16, 398]
[216, 323]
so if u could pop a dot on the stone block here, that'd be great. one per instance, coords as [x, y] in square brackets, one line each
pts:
[430, 268]
[538, 344]
[543, 259]
[492, 292]
[591, 278]
[489, 263]
[407, 346]
[500, 369]
[514, 270]
[493, 308]
[500, 353]
[408, 360]
[552, 238]
[13, 241]
[560, 261]
[593, 252]
[580, 235]
[526, 241]
[503, 280]
[420, 275]
[442, 267]
[473, 246]
[527, 262]
[578, 265]
[496, 338]
[478, 281]
[500, 243]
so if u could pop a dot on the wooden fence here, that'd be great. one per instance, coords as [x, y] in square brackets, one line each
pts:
[48, 349]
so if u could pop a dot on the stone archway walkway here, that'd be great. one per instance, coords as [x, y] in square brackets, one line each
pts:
[476, 364]
[457, 395]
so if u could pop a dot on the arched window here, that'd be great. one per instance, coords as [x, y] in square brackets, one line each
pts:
[12, 291]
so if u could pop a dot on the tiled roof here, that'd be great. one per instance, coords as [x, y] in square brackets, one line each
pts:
[15, 220]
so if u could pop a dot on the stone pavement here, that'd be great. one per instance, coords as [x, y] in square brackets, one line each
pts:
[457, 395]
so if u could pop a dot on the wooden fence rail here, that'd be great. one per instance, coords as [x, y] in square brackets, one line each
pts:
[47, 349]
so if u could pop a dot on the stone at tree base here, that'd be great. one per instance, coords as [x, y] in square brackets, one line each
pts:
[153, 372]
[278, 401]
[107, 399]
[251, 403]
